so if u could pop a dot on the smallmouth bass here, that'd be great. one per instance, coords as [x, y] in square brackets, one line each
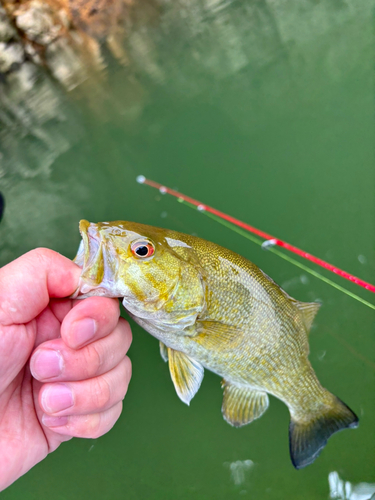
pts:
[211, 308]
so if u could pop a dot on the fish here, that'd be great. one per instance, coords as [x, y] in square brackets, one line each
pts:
[211, 308]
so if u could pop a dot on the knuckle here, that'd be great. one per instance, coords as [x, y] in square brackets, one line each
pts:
[128, 369]
[126, 330]
[125, 379]
[40, 255]
[94, 359]
[93, 427]
[101, 393]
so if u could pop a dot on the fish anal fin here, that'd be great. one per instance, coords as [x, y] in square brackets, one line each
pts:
[217, 336]
[307, 438]
[242, 405]
[163, 351]
[186, 373]
[308, 310]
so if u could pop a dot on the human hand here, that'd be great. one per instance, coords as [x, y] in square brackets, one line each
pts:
[78, 373]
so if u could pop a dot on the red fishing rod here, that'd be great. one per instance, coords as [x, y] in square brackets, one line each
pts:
[270, 240]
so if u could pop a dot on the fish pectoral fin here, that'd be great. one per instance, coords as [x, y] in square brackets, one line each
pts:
[308, 310]
[241, 405]
[187, 374]
[216, 335]
[163, 351]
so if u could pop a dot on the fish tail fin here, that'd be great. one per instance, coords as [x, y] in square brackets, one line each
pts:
[307, 437]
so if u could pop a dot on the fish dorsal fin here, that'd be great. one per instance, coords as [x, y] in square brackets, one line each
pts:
[163, 351]
[187, 374]
[308, 310]
[241, 405]
[217, 336]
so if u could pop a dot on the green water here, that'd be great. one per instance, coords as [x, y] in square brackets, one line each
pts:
[263, 110]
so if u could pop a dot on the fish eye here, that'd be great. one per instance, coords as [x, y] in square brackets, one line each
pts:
[142, 249]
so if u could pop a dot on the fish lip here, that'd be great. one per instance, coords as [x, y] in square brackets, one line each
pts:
[79, 258]
[88, 240]
[83, 250]
[89, 251]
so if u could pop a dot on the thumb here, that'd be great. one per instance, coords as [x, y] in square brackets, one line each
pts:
[28, 283]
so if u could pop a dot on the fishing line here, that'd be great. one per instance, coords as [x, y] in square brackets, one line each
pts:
[243, 229]
[256, 240]
[141, 179]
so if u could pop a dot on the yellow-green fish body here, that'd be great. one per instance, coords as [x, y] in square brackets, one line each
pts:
[211, 308]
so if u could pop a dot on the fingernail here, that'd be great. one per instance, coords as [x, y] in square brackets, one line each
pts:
[83, 331]
[54, 421]
[46, 363]
[57, 397]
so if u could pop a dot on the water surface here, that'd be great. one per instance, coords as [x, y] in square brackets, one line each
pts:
[262, 109]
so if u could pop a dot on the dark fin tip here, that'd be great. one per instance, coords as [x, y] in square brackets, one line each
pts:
[307, 439]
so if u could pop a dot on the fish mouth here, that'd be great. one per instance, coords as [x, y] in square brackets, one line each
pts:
[95, 279]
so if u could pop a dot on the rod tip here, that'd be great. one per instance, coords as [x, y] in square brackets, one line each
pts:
[140, 179]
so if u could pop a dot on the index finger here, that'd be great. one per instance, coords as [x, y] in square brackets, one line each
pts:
[28, 283]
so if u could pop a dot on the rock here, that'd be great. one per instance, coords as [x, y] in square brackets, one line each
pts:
[32, 53]
[7, 31]
[65, 64]
[21, 82]
[38, 23]
[11, 55]
[99, 18]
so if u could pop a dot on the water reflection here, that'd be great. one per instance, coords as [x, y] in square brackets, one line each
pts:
[2, 206]
[37, 124]
[238, 470]
[344, 490]
[184, 48]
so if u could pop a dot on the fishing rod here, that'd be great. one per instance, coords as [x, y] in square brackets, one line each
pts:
[269, 243]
